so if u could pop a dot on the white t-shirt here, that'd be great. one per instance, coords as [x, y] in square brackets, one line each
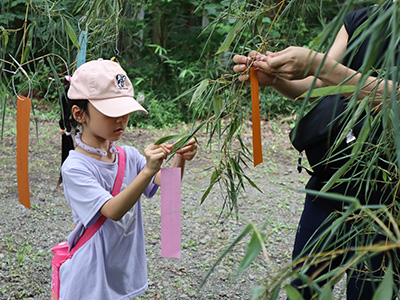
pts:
[112, 264]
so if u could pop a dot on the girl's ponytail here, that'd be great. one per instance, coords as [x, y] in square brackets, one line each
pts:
[67, 123]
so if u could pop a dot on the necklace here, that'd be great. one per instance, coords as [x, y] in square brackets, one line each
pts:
[94, 150]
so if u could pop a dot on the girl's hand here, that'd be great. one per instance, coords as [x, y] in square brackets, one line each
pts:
[243, 62]
[155, 155]
[188, 151]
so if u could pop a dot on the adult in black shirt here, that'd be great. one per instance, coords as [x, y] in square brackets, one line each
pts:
[291, 72]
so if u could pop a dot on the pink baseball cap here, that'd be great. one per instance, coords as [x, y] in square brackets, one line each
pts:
[107, 87]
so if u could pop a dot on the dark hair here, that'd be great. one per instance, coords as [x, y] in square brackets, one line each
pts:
[68, 123]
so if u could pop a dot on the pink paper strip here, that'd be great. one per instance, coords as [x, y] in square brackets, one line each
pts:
[171, 212]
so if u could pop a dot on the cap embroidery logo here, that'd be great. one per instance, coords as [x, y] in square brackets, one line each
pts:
[121, 80]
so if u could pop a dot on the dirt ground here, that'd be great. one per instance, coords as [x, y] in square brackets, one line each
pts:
[26, 236]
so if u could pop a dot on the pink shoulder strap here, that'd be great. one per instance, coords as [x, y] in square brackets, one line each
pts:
[89, 232]
[120, 174]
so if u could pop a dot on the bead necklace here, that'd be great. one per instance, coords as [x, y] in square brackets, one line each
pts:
[94, 150]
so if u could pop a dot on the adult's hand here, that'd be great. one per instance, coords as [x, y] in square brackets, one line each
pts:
[243, 63]
[292, 63]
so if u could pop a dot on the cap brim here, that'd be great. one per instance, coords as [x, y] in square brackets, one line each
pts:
[117, 107]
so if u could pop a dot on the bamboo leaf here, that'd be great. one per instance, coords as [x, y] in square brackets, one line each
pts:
[259, 22]
[231, 35]
[199, 91]
[321, 36]
[71, 33]
[5, 37]
[275, 292]
[233, 127]
[253, 249]
[204, 196]
[385, 289]
[326, 293]
[181, 143]
[28, 46]
[257, 292]
[217, 103]
[251, 182]
[170, 138]
[215, 176]
[227, 250]
[330, 90]
[183, 139]
[293, 293]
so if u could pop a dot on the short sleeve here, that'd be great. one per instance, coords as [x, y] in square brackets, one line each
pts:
[84, 193]
[354, 19]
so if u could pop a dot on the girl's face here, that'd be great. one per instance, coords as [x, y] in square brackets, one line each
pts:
[98, 129]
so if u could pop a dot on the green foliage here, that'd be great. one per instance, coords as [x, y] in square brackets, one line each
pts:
[228, 109]
[161, 113]
[166, 47]
[293, 293]
[385, 289]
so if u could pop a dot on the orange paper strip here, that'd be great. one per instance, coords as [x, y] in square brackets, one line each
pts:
[23, 115]
[255, 107]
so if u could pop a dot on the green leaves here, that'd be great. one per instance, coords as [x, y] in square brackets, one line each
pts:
[170, 138]
[329, 90]
[181, 140]
[199, 91]
[231, 35]
[254, 248]
[257, 292]
[293, 293]
[215, 177]
[29, 38]
[71, 33]
[385, 289]
[227, 250]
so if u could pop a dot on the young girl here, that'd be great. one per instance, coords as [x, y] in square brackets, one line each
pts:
[112, 263]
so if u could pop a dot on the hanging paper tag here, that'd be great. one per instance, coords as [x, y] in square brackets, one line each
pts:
[171, 212]
[82, 50]
[255, 108]
[23, 115]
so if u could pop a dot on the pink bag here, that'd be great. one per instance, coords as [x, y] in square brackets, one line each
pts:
[60, 250]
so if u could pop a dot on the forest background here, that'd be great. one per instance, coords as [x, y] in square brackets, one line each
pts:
[166, 47]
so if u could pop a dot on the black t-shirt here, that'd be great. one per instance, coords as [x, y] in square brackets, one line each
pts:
[323, 173]
[352, 22]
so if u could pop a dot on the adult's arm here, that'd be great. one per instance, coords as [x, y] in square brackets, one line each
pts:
[296, 67]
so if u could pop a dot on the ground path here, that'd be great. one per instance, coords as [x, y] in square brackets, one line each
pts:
[26, 236]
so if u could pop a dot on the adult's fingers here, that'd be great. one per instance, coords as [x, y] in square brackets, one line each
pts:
[276, 62]
[240, 59]
[265, 67]
[244, 77]
[240, 68]
[253, 55]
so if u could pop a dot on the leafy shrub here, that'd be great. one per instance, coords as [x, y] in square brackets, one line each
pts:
[161, 113]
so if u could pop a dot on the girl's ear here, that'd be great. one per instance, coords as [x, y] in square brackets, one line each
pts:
[78, 114]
